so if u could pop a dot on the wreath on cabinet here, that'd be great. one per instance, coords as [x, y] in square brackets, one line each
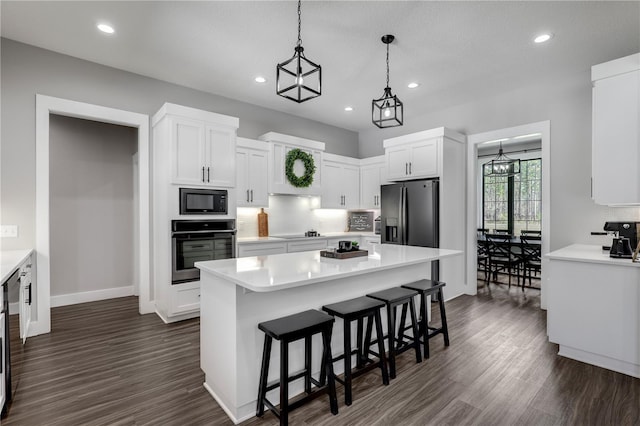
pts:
[306, 179]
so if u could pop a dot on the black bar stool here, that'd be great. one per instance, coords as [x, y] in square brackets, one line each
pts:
[393, 298]
[429, 288]
[289, 329]
[359, 309]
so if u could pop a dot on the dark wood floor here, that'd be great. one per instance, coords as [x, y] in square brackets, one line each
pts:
[103, 364]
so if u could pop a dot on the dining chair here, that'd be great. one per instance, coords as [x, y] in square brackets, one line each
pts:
[531, 246]
[502, 256]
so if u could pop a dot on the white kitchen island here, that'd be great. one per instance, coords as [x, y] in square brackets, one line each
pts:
[594, 308]
[237, 294]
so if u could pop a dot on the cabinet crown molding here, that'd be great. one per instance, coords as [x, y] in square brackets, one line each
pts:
[292, 140]
[616, 67]
[193, 113]
[425, 134]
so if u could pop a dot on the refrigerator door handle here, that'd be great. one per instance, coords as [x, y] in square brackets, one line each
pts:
[403, 216]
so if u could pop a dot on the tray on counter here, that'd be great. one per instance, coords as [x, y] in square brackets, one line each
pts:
[344, 255]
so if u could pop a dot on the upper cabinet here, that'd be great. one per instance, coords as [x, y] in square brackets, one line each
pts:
[203, 146]
[280, 147]
[252, 173]
[372, 175]
[341, 182]
[419, 155]
[616, 132]
[412, 160]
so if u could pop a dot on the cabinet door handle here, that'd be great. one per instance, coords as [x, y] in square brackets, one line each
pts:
[252, 195]
[203, 173]
[406, 168]
[247, 195]
[29, 302]
[208, 174]
[409, 167]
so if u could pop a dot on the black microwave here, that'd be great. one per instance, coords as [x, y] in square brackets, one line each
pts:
[203, 201]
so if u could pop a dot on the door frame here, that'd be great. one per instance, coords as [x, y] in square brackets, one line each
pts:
[542, 127]
[45, 106]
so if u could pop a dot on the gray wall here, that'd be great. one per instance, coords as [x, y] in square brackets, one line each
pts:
[566, 103]
[27, 70]
[91, 205]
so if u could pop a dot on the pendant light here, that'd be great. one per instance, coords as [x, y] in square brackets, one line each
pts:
[502, 165]
[387, 111]
[298, 78]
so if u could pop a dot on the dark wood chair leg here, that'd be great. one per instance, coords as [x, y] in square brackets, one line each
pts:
[359, 348]
[347, 363]
[331, 381]
[424, 325]
[414, 327]
[307, 364]
[284, 383]
[443, 317]
[383, 358]
[391, 331]
[403, 320]
[264, 372]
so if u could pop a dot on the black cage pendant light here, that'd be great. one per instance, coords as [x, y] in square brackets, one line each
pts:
[502, 165]
[387, 111]
[298, 78]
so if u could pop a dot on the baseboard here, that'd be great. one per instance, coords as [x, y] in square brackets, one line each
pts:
[91, 296]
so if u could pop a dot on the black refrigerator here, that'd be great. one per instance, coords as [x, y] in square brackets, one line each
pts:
[409, 215]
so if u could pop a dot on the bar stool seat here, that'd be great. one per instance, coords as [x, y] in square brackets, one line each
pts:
[394, 297]
[289, 329]
[359, 309]
[432, 288]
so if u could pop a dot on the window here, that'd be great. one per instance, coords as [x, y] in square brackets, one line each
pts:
[514, 203]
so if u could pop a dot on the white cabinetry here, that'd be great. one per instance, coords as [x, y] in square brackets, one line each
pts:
[341, 182]
[280, 145]
[193, 148]
[296, 246]
[25, 297]
[372, 175]
[367, 242]
[203, 146]
[616, 131]
[437, 153]
[261, 248]
[252, 173]
[415, 160]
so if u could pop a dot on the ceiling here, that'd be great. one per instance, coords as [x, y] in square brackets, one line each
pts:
[457, 51]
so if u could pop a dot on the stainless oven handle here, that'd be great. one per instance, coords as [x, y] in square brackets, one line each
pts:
[209, 231]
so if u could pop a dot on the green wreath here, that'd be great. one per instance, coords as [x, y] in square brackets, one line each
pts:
[306, 179]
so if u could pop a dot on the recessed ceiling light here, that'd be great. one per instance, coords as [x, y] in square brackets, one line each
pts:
[105, 28]
[542, 38]
[413, 85]
[260, 79]
[348, 108]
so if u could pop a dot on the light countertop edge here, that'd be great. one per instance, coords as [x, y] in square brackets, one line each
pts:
[221, 268]
[274, 239]
[10, 261]
[589, 254]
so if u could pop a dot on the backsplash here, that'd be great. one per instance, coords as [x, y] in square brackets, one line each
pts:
[292, 215]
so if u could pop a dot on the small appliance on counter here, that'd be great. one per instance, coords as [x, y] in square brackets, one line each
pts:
[311, 233]
[625, 237]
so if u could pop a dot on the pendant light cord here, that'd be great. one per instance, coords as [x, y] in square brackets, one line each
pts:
[387, 64]
[299, 23]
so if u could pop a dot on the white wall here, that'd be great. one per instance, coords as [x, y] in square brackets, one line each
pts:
[91, 205]
[27, 70]
[566, 103]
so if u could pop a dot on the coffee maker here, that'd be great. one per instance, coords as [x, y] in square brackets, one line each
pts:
[625, 240]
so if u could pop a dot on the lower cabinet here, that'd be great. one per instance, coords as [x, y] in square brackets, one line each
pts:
[296, 246]
[186, 298]
[261, 249]
[3, 367]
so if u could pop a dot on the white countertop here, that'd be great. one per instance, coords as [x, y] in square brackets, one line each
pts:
[282, 271]
[10, 261]
[590, 254]
[245, 240]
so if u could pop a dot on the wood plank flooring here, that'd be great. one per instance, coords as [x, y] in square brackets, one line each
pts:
[104, 364]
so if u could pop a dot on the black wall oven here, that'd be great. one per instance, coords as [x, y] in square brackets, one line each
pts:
[199, 240]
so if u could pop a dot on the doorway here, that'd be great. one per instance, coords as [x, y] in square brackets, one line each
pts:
[474, 183]
[45, 106]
